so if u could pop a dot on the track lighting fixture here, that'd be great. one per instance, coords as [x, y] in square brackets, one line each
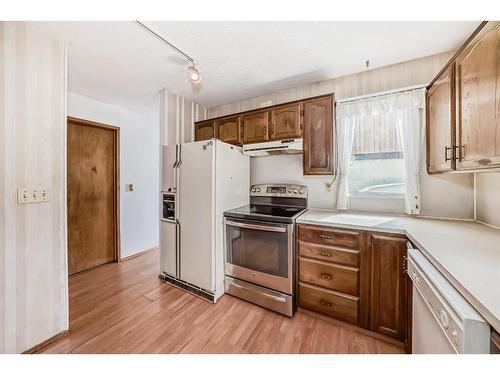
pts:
[194, 74]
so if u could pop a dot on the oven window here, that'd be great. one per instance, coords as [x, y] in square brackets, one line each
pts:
[259, 250]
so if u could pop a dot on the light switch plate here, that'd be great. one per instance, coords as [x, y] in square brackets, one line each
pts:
[33, 195]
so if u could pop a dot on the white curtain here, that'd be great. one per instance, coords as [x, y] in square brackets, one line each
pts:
[403, 109]
[411, 134]
[346, 121]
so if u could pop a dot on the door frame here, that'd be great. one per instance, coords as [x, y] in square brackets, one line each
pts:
[116, 175]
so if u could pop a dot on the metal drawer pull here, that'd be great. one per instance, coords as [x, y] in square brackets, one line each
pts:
[276, 298]
[326, 276]
[326, 303]
[326, 254]
[256, 227]
[325, 237]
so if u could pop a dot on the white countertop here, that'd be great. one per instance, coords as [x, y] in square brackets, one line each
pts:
[466, 252]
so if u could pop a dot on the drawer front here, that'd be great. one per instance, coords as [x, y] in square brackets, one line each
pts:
[339, 278]
[328, 303]
[326, 236]
[329, 254]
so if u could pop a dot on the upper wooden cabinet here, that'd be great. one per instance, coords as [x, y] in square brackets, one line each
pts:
[256, 127]
[286, 122]
[311, 119]
[441, 123]
[388, 285]
[229, 129]
[205, 130]
[478, 100]
[318, 136]
[463, 111]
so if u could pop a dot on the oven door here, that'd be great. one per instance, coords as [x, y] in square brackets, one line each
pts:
[260, 253]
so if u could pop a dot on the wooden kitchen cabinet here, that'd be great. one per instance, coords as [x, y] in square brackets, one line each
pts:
[463, 111]
[229, 130]
[286, 122]
[256, 127]
[478, 100]
[318, 136]
[441, 123]
[388, 313]
[205, 130]
[355, 276]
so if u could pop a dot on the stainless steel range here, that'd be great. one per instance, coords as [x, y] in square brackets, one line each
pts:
[260, 246]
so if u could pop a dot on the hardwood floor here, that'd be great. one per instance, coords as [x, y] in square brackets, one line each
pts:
[124, 308]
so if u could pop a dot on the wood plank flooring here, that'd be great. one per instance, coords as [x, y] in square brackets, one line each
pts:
[125, 308]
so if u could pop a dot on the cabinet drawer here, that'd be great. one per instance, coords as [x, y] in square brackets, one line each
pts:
[329, 303]
[329, 254]
[326, 236]
[340, 278]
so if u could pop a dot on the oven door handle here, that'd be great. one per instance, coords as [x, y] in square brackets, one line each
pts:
[276, 298]
[256, 226]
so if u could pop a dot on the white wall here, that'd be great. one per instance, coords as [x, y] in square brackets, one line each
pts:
[33, 267]
[442, 195]
[488, 198]
[139, 165]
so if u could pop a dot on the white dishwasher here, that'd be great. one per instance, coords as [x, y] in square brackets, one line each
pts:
[443, 321]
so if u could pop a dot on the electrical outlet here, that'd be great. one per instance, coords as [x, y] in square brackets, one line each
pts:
[35, 195]
[129, 187]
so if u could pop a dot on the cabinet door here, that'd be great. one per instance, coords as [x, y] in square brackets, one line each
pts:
[286, 122]
[318, 136]
[256, 127]
[229, 130]
[388, 285]
[478, 100]
[205, 130]
[441, 123]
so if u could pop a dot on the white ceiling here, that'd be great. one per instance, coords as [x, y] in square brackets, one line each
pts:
[118, 62]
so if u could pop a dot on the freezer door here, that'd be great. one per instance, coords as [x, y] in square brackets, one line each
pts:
[169, 241]
[195, 214]
[168, 163]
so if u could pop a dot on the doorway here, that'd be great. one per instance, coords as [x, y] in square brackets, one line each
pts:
[93, 194]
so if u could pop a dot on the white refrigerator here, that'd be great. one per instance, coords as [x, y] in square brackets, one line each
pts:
[200, 180]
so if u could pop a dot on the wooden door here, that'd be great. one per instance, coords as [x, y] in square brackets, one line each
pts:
[318, 136]
[388, 285]
[205, 130]
[92, 194]
[256, 127]
[286, 122]
[441, 123]
[229, 130]
[478, 100]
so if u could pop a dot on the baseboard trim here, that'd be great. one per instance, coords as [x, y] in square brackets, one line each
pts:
[139, 253]
[352, 327]
[45, 343]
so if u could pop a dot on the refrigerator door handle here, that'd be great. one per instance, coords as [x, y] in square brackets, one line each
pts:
[178, 249]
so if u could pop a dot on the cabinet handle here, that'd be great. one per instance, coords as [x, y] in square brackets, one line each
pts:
[446, 149]
[326, 253]
[325, 237]
[326, 276]
[325, 303]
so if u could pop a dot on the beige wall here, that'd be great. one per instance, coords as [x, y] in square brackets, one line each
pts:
[442, 195]
[488, 198]
[177, 117]
[33, 276]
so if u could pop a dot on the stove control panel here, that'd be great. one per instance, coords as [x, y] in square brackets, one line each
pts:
[279, 190]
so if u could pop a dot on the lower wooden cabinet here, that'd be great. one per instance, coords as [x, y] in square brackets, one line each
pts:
[328, 302]
[388, 285]
[355, 276]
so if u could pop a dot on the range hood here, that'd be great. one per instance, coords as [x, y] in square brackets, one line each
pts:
[286, 146]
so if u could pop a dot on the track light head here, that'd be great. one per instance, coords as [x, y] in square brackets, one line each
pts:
[194, 74]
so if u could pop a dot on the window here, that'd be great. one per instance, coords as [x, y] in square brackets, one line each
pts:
[376, 166]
